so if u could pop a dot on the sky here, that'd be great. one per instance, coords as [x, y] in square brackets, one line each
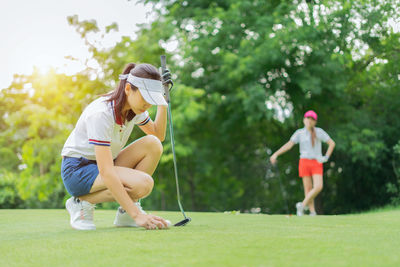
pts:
[36, 32]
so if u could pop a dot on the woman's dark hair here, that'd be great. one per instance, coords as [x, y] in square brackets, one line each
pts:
[118, 95]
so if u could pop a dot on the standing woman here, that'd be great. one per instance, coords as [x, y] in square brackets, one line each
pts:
[311, 159]
[97, 168]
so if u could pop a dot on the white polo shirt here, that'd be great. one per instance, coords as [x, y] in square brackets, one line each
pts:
[303, 138]
[98, 125]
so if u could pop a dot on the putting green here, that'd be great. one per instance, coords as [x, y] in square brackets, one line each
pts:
[44, 238]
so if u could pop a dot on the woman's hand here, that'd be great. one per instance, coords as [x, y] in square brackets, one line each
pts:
[167, 78]
[167, 82]
[323, 159]
[150, 222]
[273, 159]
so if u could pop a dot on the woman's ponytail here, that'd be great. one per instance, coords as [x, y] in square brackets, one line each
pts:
[128, 68]
[118, 95]
[313, 136]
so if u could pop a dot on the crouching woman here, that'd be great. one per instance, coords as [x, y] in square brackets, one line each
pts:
[96, 165]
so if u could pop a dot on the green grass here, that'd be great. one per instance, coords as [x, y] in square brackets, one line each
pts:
[44, 238]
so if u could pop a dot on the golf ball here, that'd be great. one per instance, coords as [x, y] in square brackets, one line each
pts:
[168, 223]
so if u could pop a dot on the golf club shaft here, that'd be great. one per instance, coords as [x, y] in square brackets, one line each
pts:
[171, 131]
[281, 186]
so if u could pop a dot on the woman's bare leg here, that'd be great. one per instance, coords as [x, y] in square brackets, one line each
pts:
[307, 184]
[137, 184]
[134, 165]
[317, 188]
[143, 154]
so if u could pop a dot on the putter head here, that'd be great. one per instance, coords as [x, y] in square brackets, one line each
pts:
[183, 222]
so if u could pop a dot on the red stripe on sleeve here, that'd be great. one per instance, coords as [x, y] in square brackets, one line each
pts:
[144, 120]
[98, 141]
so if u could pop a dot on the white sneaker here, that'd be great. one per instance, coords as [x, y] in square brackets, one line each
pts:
[81, 213]
[313, 213]
[122, 219]
[300, 209]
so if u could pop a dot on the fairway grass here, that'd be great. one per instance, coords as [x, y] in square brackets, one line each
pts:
[45, 238]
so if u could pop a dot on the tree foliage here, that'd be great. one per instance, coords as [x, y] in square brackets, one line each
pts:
[245, 72]
[262, 64]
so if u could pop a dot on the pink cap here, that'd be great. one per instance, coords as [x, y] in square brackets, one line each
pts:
[311, 114]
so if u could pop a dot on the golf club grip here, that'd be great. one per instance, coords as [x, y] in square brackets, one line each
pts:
[163, 59]
[163, 62]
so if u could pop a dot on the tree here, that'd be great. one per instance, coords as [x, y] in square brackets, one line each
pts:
[261, 66]
[244, 72]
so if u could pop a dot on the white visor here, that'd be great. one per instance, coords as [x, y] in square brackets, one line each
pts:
[151, 90]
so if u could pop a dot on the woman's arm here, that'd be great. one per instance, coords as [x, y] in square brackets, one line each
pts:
[286, 147]
[328, 153]
[159, 126]
[331, 144]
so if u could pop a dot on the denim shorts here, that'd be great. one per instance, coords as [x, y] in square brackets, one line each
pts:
[78, 175]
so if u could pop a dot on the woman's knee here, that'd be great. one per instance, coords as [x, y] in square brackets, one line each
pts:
[141, 188]
[318, 187]
[308, 188]
[153, 143]
[148, 183]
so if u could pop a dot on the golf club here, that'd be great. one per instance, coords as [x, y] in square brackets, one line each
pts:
[171, 130]
[276, 173]
[276, 170]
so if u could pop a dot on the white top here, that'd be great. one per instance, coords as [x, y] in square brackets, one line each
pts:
[98, 125]
[303, 137]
